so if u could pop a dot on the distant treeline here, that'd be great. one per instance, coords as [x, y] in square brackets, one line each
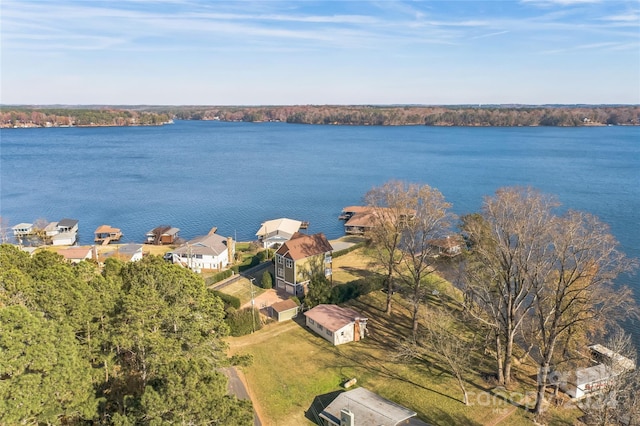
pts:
[490, 115]
[63, 117]
[416, 115]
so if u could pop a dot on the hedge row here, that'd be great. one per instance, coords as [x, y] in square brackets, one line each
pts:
[219, 276]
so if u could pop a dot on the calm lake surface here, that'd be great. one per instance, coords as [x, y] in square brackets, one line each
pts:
[195, 174]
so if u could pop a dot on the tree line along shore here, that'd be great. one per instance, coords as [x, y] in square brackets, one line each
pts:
[472, 116]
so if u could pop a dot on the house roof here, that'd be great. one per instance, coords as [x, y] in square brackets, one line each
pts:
[106, 229]
[276, 226]
[172, 231]
[284, 305]
[356, 209]
[447, 243]
[332, 317]
[210, 245]
[76, 253]
[22, 225]
[363, 219]
[368, 408]
[130, 248]
[301, 246]
[51, 226]
[67, 223]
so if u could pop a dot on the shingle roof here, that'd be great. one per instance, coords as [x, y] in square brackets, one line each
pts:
[332, 317]
[284, 305]
[67, 223]
[106, 229]
[301, 246]
[212, 245]
[75, 252]
[368, 408]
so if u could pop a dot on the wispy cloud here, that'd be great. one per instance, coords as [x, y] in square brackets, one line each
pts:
[490, 35]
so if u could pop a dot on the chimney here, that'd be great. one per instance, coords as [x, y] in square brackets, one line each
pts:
[230, 249]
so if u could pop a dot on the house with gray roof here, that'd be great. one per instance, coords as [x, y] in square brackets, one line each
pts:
[277, 231]
[210, 252]
[361, 407]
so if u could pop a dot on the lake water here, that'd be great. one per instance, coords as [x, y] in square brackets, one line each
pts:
[196, 175]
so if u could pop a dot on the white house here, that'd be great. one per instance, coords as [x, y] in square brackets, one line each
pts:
[213, 252]
[584, 381]
[22, 229]
[336, 324]
[277, 231]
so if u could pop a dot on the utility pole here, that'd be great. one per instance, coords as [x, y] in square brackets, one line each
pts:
[253, 312]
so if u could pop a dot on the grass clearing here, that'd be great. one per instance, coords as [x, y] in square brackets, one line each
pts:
[292, 366]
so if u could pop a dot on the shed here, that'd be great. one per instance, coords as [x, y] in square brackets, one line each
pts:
[284, 310]
[336, 324]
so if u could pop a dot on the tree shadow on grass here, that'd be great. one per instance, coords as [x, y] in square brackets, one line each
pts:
[319, 403]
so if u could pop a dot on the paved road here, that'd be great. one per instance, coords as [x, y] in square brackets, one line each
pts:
[236, 387]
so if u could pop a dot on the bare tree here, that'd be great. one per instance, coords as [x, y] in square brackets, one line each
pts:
[389, 203]
[508, 242]
[427, 217]
[573, 285]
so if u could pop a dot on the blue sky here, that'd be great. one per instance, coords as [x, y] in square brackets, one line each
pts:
[190, 52]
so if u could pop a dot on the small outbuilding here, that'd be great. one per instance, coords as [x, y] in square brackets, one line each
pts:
[336, 324]
[284, 310]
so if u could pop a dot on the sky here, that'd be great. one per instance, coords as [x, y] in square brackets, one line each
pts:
[196, 52]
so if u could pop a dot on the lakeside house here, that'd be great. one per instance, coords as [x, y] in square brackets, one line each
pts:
[209, 252]
[336, 324]
[277, 231]
[450, 246]
[130, 252]
[361, 407]
[22, 230]
[297, 259]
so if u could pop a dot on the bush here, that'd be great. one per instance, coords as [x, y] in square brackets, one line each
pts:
[244, 322]
[353, 289]
[267, 281]
[228, 299]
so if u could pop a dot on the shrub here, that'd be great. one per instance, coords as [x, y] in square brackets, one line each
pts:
[244, 322]
[267, 281]
[228, 299]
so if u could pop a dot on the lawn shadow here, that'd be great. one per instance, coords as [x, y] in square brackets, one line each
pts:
[320, 402]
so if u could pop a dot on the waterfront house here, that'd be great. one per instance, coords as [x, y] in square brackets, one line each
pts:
[299, 258]
[210, 252]
[361, 407]
[68, 225]
[284, 310]
[163, 235]
[277, 231]
[336, 324]
[105, 234]
[22, 230]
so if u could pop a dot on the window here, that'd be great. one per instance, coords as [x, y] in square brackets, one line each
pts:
[328, 333]
[280, 260]
[320, 327]
[280, 272]
[311, 321]
[289, 263]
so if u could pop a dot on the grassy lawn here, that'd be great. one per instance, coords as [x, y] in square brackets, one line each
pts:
[292, 366]
[242, 290]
